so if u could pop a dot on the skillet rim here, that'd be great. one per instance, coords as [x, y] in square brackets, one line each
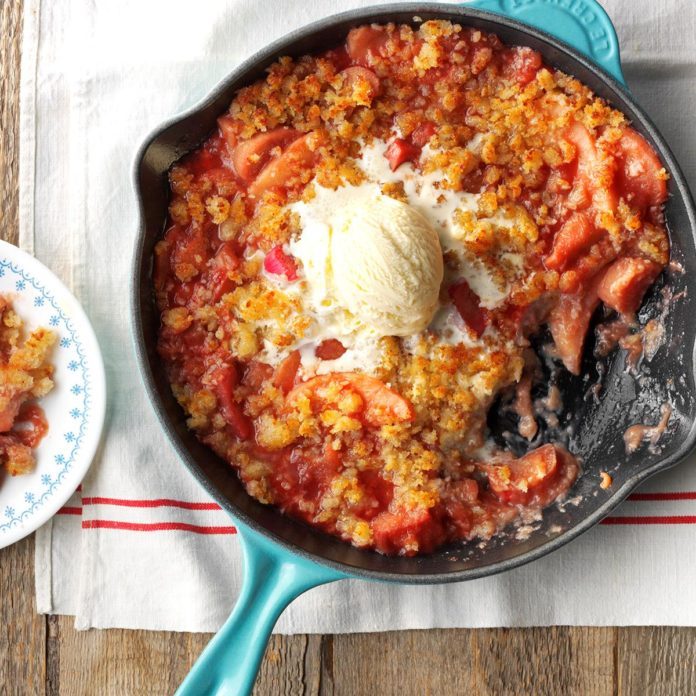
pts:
[264, 57]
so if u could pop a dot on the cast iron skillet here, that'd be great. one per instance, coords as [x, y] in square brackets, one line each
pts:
[284, 557]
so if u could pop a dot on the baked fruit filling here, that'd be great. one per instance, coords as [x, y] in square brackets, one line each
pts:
[356, 258]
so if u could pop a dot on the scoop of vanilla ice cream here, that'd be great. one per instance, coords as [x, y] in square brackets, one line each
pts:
[386, 264]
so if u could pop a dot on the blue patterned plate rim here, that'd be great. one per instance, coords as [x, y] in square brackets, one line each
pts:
[75, 408]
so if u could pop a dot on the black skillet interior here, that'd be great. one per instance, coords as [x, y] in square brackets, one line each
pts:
[596, 425]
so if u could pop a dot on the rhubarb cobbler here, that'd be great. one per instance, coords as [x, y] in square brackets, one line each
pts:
[355, 261]
[26, 375]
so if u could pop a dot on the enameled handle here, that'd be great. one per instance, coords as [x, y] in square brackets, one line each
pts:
[273, 577]
[582, 24]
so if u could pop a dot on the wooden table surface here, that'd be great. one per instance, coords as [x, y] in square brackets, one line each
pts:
[45, 655]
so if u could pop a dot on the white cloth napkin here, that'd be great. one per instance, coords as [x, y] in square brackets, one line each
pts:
[140, 546]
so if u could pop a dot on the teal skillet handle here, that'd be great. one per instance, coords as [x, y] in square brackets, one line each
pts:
[582, 24]
[273, 577]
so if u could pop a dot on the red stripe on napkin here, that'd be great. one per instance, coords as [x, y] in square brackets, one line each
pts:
[199, 529]
[651, 519]
[677, 495]
[189, 505]
[155, 502]
[156, 527]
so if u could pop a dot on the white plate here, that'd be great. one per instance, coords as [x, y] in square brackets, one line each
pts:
[74, 408]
